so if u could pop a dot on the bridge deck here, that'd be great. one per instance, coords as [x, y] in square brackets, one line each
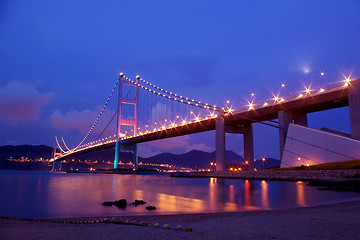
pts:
[311, 102]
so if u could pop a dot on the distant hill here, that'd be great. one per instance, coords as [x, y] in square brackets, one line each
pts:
[29, 151]
[191, 159]
[268, 163]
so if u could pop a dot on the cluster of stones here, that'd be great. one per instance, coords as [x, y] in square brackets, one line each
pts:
[105, 220]
[122, 203]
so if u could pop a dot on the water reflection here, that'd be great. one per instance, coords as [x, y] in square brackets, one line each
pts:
[300, 193]
[38, 194]
[174, 204]
[264, 195]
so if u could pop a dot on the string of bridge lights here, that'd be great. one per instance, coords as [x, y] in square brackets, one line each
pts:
[175, 97]
[170, 95]
[307, 91]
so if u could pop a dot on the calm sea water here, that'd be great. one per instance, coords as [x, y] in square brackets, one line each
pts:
[48, 194]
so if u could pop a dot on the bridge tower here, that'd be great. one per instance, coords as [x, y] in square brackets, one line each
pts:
[128, 101]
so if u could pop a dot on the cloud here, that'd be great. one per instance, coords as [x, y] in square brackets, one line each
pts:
[21, 101]
[200, 147]
[73, 120]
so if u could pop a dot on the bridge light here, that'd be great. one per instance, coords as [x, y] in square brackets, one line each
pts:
[347, 81]
[265, 104]
[322, 90]
[283, 85]
[322, 73]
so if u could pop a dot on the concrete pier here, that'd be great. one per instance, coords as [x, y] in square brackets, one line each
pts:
[220, 143]
[284, 120]
[354, 108]
[249, 146]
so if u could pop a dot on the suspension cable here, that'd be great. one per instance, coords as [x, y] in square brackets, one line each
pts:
[57, 142]
[100, 114]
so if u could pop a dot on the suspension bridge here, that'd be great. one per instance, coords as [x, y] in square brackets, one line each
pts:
[138, 111]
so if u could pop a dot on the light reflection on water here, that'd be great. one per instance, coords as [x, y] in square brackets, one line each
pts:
[43, 194]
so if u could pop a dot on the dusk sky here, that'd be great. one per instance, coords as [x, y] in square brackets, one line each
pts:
[60, 59]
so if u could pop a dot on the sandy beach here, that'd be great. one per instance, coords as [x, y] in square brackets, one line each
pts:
[333, 221]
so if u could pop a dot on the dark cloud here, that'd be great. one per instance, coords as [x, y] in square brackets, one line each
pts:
[72, 120]
[21, 101]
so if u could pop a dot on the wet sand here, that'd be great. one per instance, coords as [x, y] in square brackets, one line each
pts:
[334, 221]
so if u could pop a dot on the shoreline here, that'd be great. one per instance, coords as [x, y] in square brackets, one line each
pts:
[330, 221]
[279, 175]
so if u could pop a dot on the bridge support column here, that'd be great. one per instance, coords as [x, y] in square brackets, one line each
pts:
[220, 143]
[53, 166]
[354, 108]
[284, 120]
[249, 146]
[126, 147]
[116, 159]
[136, 158]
